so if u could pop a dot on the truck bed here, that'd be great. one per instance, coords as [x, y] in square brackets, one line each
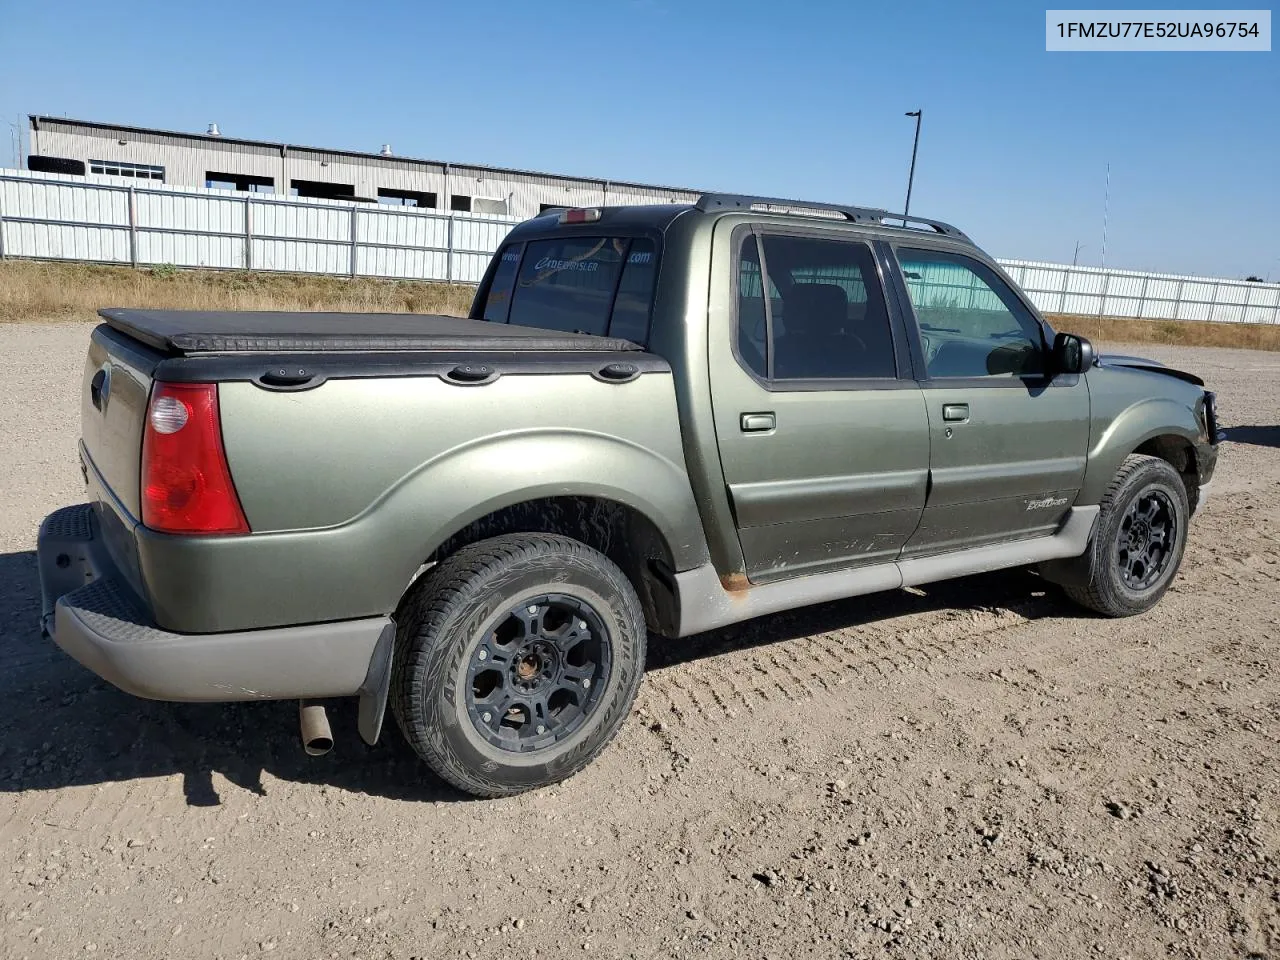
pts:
[193, 332]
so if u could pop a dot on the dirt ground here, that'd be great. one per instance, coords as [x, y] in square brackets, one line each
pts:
[976, 769]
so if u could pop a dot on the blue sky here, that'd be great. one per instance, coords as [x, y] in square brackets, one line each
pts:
[802, 99]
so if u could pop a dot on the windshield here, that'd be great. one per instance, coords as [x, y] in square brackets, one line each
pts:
[597, 285]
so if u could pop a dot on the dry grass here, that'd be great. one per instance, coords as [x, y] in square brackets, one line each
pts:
[75, 291]
[1188, 333]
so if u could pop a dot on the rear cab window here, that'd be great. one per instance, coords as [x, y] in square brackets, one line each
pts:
[576, 284]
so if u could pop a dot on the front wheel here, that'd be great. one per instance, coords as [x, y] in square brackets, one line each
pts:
[1139, 542]
[517, 661]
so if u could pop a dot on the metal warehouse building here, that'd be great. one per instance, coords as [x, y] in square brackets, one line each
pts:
[123, 155]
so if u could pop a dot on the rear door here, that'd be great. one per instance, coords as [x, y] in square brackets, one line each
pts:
[822, 432]
[1008, 441]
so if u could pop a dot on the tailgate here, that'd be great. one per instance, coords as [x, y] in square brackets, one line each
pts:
[113, 409]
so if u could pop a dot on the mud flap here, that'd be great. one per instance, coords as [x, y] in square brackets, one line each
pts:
[1072, 571]
[377, 682]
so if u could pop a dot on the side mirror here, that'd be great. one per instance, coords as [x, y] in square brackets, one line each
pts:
[1072, 354]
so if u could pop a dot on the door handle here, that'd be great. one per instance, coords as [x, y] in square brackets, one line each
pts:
[95, 387]
[757, 422]
[955, 412]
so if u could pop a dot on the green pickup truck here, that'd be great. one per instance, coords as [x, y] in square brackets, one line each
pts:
[657, 419]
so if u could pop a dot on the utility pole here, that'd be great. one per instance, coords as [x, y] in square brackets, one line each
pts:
[919, 115]
[1106, 209]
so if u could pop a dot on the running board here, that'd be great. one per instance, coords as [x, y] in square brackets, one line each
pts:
[705, 604]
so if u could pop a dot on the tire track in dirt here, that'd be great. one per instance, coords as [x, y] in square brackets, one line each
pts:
[790, 671]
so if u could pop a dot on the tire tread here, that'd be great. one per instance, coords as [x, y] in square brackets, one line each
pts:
[1095, 594]
[437, 595]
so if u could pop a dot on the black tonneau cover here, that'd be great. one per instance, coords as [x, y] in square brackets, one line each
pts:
[201, 331]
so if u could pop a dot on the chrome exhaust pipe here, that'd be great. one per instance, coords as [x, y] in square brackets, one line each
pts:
[313, 723]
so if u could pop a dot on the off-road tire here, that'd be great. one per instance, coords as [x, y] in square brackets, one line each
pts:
[1105, 589]
[450, 613]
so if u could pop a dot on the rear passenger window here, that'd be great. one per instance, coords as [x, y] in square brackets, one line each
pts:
[753, 337]
[826, 308]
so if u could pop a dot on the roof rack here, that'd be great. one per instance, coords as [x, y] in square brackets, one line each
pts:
[871, 215]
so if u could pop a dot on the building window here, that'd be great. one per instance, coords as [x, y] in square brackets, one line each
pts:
[406, 198]
[487, 205]
[243, 182]
[460, 203]
[322, 190]
[38, 164]
[116, 168]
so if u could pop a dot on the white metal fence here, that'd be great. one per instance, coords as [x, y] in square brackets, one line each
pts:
[1093, 291]
[55, 217]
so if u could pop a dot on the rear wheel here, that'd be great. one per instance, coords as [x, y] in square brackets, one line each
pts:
[517, 661]
[1138, 545]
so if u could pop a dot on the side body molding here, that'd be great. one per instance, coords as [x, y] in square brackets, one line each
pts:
[706, 603]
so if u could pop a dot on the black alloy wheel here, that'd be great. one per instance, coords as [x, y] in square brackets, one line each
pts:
[1145, 539]
[537, 674]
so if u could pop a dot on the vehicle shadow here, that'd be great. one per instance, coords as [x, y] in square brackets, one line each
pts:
[1020, 590]
[63, 726]
[1257, 435]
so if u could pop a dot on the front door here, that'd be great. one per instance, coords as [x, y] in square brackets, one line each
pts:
[823, 435]
[1008, 441]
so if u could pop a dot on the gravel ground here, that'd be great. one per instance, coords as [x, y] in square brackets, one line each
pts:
[976, 769]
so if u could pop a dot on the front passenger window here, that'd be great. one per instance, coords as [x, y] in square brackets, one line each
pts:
[971, 323]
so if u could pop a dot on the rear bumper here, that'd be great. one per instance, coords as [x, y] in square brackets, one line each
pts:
[89, 611]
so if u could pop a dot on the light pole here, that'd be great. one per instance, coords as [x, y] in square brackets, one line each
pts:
[919, 115]
[1106, 209]
[15, 143]
[1075, 257]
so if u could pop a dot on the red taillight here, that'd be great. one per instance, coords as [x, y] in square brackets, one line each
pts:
[186, 484]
